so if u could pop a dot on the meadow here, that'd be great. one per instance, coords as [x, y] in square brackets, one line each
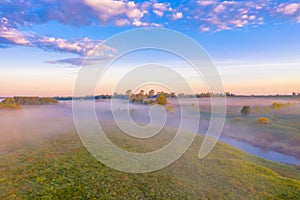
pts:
[42, 156]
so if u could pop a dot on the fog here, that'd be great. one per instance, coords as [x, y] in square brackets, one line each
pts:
[32, 124]
[278, 141]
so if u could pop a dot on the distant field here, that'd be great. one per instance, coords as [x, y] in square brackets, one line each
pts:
[62, 168]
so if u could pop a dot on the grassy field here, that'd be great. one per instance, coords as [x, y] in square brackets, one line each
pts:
[61, 168]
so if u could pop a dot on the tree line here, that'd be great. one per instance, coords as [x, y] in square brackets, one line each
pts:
[16, 102]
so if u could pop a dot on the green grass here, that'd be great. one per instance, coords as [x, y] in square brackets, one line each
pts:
[61, 168]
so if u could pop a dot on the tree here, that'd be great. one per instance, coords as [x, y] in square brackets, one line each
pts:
[151, 93]
[141, 96]
[128, 93]
[245, 111]
[9, 103]
[161, 99]
[133, 98]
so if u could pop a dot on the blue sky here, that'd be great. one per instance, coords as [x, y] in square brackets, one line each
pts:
[254, 44]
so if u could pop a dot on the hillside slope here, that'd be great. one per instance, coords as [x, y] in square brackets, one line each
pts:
[62, 168]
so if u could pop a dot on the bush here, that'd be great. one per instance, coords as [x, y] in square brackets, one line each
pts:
[170, 108]
[161, 99]
[263, 120]
[245, 111]
[9, 103]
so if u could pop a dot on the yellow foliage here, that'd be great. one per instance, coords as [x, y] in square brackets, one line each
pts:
[263, 120]
[170, 108]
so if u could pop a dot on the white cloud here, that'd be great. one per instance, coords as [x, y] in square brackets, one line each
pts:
[243, 11]
[11, 34]
[84, 46]
[155, 25]
[220, 8]
[134, 14]
[107, 9]
[288, 9]
[252, 17]
[245, 17]
[160, 6]
[131, 4]
[239, 23]
[139, 23]
[122, 22]
[298, 19]
[177, 15]
[205, 29]
[158, 13]
[206, 2]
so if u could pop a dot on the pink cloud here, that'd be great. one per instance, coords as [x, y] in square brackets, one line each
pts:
[108, 9]
[122, 22]
[84, 46]
[158, 13]
[160, 6]
[11, 34]
[252, 17]
[206, 2]
[288, 9]
[204, 29]
[177, 15]
[220, 8]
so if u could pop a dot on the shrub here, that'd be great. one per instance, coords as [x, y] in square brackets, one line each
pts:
[170, 108]
[263, 120]
[161, 99]
[276, 105]
[9, 103]
[245, 111]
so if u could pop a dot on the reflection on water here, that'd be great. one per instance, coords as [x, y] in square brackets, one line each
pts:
[270, 155]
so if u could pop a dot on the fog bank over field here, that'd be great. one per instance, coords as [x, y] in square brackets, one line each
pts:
[31, 124]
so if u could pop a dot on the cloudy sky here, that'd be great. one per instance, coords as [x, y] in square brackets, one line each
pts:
[254, 44]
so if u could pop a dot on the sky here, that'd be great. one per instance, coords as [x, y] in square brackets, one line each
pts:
[255, 45]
